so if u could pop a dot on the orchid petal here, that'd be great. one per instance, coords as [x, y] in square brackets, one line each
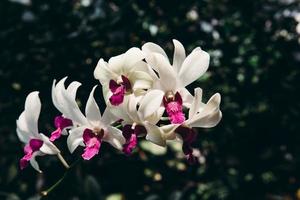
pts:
[32, 111]
[194, 66]
[65, 98]
[55, 135]
[92, 111]
[116, 64]
[114, 137]
[130, 144]
[75, 138]
[196, 49]
[118, 94]
[92, 144]
[149, 48]
[166, 73]
[154, 134]
[141, 84]
[210, 114]
[145, 67]
[103, 73]
[108, 117]
[106, 93]
[33, 161]
[169, 131]
[187, 97]
[90, 152]
[72, 110]
[53, 94]
[132, 108]
[212, 105]
[64, 131]
[132, 56]
[121, 111]
[57, 98]
[140, 80]
[179, 55]
[207, 121]
[140, 65]
[22, 130]
[72, 89]
[196, 102]
[155, 117]
[48, 147]
[150, 103]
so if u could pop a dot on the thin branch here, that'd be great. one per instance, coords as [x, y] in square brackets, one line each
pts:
[57, 183]
[63, 161]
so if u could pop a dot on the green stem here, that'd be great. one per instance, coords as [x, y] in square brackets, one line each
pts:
[57, 183]
[63, 161]
[46, 192]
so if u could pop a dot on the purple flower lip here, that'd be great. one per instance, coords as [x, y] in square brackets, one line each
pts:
[131, 133]
[130, 144]
[173, 105]
[188, 136]
[33, 146]
[119, 89]
[60, 123]
[92, 140]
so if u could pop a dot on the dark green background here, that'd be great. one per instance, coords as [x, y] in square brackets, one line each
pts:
[252, 154]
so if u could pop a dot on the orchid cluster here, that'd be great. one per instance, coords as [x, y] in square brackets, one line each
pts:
[146, 97]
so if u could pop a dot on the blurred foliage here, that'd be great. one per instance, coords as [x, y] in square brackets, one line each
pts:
[255, 58]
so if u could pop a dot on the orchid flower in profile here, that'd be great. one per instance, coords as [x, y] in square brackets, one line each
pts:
[134, 124]
[63, 122]
[169, 87]
[92, 129]
[37, 144]
[200, 115]
[123, 75]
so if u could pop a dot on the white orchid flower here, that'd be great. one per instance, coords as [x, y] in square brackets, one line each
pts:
[37, 144]
[200, 115]
[169, 88]
[92, 129]
[62, 122]
[123, 75]
[204, 115]
[134, 124]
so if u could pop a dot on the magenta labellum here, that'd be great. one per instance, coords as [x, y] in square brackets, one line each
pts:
[130, 133]
[119, 90]
[173, 105]
[188, 136]
[33, 146]
[92, 141]
[60, 123]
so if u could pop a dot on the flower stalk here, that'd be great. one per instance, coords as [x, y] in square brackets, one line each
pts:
[46, 192]
[63, 161]
[57, 183]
